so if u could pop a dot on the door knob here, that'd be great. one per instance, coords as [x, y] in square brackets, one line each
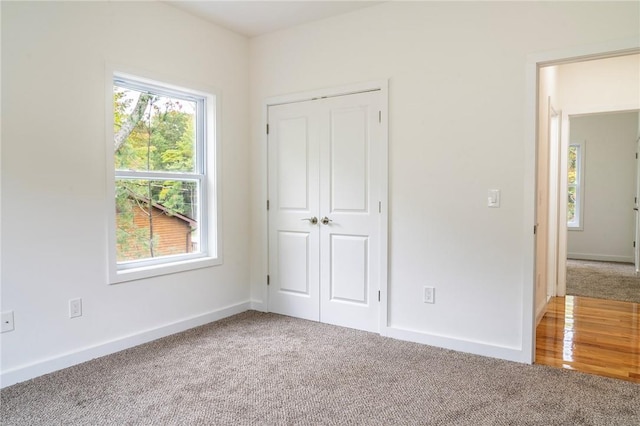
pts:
[312, 220]
[325, 220]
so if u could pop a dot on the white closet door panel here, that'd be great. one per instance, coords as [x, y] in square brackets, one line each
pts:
[293, 262]
[349, 269]
[294, 246]
[349, 242]
[293, 163]
[349, 159]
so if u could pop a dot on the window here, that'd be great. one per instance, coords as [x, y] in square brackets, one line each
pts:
[162, 154]
[575, 190]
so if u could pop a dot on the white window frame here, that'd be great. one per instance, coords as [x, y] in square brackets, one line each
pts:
[577, 224]
[207, 173]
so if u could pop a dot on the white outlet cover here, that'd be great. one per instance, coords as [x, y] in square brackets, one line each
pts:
[429, 295]
[75, 308]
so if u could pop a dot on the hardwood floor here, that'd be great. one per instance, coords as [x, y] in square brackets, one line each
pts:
[591, 335]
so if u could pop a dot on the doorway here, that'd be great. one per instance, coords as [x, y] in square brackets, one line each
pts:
[601, 217]
[601, 76]
[570, 90]
[326, 222]
[570, 316]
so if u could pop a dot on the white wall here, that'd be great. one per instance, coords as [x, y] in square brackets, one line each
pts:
[609, 186]
[53, 177]
[457, 128]
[600, 85]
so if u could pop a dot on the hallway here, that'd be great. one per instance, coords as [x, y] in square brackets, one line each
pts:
[594, 336]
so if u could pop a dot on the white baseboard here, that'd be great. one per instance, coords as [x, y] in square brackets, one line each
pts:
[541, 311]
[258, 305]
[600, 257]
[30, 371]
[477, 348]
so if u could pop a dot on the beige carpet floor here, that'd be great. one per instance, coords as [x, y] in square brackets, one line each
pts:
[603, 280]
[266, 369]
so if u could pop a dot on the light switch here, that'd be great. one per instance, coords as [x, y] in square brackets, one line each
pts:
[493, 199]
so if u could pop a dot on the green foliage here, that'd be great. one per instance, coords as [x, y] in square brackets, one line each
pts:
[571, 204]
[573, 164]
[132, 241]
[572, 179]
[162, 140]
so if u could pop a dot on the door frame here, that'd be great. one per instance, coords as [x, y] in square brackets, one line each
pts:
[636, 216]
[383, 87]
[555, 149]
[533, 64]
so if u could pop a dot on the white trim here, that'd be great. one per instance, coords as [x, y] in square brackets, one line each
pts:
[258, 305]
[529, 208]
[211, 195]
[468, 346]
[554, 204]
[608, 49]
[636, 205]
[384, 217]
[153, 175]
[378, 85]
[45, 366]
[600, 257]
[133, 274]
[327, 92]
[540, 311]
[534, 61]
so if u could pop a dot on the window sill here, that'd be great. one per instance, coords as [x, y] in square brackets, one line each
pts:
[141, 273]
[575, 228]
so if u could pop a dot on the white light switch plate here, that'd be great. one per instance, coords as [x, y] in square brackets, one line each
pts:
[493, 198]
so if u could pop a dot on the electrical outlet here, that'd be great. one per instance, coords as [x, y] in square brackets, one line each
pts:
[7, 321]
[75, 308]
[429, 295]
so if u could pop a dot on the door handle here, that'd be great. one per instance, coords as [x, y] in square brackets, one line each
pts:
[325, 220]
[635, 208]
[312, 220]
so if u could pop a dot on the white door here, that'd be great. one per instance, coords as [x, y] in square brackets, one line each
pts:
[349, 185]
[324, 165]
[294, 187]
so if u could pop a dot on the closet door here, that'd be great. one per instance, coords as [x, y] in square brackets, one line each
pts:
[324, 220]
[349, 211]
[294, 244]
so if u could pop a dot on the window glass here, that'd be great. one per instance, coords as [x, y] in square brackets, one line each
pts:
[156, 218]
[159, 169]
[575, 185]
[571, 205]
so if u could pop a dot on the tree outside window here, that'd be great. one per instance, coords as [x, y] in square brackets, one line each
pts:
[574, 185]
